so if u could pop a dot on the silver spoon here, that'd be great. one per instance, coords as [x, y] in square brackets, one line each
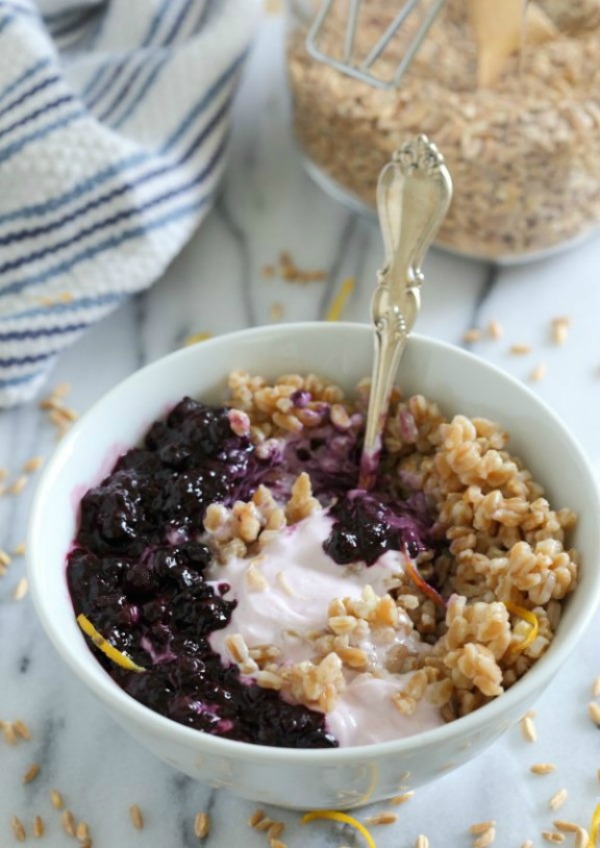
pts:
[413, 195]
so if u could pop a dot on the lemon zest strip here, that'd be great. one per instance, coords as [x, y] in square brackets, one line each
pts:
[528, 616]
[595, 825]
[109, 650]
[334, 815]
[197, 337]
[339, 301]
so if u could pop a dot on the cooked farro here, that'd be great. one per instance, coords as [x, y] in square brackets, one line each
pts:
[38, 827]
[558, 799]
[542, 768]
[136, 817]
[594, 712]
[202, 825]
[18, 829]
[487, 838]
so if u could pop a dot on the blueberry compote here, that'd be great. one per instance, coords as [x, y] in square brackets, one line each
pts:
[138, 567]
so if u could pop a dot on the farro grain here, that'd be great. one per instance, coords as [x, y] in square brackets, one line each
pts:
[33, 464]
[382, 818]
[486, 838]
[38, 827]
[264, 824]
[276, 843]
[594, 712]
[402, 799]
[256, 817]
[538, 373]
[10, 736]
[61, 390]
[4, 558]
[18, 829]
[422, 841]
[31, 773]
[275, 831]
[481, 827]
[560, 330]
[582, 838]
[21, 589]
[553, 837]
[495, 330]
[56, 799]
[596, 688]
[202, 825]
[558, 799]
[567, 826]
[67, 821]
[19, 549]
[472, 335]
[527, 844]
[520, 349]
[19, 484]
[82, 831]
[528, 729]
[87, 843]
[542, 768]
[136, 816]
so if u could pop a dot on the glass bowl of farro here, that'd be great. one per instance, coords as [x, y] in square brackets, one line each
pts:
[200, 555]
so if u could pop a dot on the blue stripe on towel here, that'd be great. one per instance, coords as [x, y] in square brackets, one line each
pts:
[108, 244]
[21, 335]
[123, 215]
[27, 74]
[47, 107]
[40, 86]
[119, 167]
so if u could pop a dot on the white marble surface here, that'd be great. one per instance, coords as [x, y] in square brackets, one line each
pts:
[269, 204]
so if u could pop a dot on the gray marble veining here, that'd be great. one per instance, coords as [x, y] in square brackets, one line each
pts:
[268, 204]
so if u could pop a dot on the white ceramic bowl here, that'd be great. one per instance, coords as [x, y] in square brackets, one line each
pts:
[460, 383]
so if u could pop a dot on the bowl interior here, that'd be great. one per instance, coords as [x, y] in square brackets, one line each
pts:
[458, 381]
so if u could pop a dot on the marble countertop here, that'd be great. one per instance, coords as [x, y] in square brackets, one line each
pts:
[216, 285]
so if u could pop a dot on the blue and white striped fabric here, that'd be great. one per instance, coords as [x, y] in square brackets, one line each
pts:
[113, 132]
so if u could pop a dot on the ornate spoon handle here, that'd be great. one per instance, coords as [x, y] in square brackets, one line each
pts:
[413, 195]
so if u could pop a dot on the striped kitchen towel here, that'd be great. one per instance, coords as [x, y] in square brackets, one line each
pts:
[114, 121]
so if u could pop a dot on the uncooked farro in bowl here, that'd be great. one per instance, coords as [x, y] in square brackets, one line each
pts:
[476, 531]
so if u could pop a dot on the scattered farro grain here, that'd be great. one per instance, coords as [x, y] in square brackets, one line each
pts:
[596, 688]
[136, 817]
[256, 817]
[402, 799]
[481, 827]
[486, 838]
[87, 843]
[560, 329]
[19, 550]
[538, 373]
[276, 312]
[558, 799]
[38, 827]
[21, 589]
[2, 570]
[18, 829]
[201, 825]
[68, 822]
[472, 335]
[31, 773]
[4, 557]
[527, 844]
[264, 824]
[520, 349]
[567, 826]
[275, 831]
[582, 838]
[33, 464]
[61, 390]
[594, 712]
[422, 841]
[10, 735]
[382, 818]
[553, 837]
[56, 799]
[82, 831]
[21, 729]
[542, 768]
[276, 843]
[495, 330]
[528, 728]
[17, 487]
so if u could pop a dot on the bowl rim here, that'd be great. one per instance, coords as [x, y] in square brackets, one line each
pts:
[133, 711]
